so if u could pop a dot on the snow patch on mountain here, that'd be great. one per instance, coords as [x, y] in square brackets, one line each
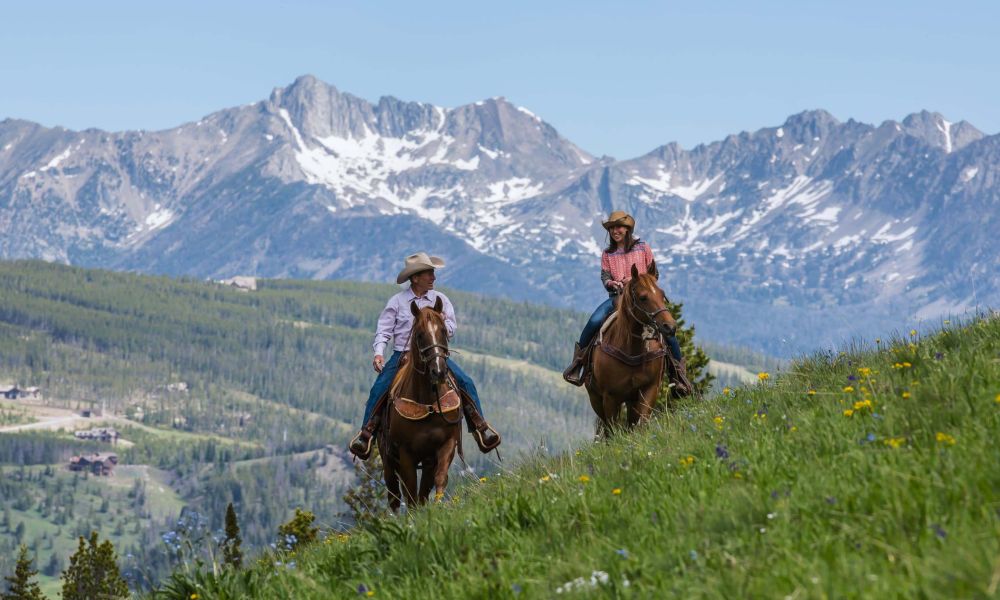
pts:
[58, 159]
[159, 218]
[968, 173]
[662, 184]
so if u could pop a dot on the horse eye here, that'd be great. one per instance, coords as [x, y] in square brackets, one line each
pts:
[643, 297]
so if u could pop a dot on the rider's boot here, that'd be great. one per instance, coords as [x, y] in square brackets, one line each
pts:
[678, 376]
[361, 445]
[574, 372]
[486, 437]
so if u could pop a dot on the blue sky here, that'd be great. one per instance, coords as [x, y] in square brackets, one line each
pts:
[615, 78]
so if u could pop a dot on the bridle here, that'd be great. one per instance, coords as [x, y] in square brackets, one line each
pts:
[426, 354]
[430, 352]
[650, 315]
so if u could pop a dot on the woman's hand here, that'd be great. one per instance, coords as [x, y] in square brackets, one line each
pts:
[615, 285]
[377, 363]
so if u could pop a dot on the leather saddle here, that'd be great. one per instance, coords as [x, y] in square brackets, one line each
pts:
[448, 400]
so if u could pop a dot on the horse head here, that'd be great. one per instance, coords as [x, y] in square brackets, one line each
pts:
[647, 303]
[429, 344]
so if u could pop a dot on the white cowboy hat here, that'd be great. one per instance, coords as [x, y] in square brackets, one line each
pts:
[416, 263]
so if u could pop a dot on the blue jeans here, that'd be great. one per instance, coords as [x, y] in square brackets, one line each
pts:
[391, 367]
[601, 315]
[596, 320]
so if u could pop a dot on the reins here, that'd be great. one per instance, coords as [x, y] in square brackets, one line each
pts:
[424, 355]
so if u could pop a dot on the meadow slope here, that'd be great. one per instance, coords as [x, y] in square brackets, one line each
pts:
[865, 473]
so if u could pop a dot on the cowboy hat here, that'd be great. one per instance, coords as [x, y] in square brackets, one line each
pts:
[619, 217]
[416, 263]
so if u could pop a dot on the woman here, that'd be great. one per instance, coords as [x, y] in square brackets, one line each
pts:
[622, 252]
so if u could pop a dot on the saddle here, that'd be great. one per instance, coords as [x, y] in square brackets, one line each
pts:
[414, 411]
[448, 399]
[617, 354]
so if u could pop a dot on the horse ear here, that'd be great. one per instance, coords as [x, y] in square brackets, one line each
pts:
[438, 305]
[414, 309]
[635, 272]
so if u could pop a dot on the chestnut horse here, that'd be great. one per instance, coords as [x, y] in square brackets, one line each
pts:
[424, 415]
[628, 363]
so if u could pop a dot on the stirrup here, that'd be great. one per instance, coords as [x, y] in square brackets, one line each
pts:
[574, 373]
[480, 436]
[362, 448]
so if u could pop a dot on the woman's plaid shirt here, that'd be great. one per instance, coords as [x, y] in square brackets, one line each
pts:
[617, 265]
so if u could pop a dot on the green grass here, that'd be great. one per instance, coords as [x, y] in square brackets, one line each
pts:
[769, 491]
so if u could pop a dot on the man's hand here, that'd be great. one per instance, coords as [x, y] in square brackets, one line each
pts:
[378, 362]
[615, 285]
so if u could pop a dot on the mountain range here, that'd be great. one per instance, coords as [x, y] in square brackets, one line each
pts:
[784, 239]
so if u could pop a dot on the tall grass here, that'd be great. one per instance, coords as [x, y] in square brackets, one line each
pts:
[869, 473]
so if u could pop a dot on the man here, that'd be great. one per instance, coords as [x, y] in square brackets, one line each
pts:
[395, 323]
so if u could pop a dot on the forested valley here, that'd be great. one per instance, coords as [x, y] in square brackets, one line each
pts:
[224, 395]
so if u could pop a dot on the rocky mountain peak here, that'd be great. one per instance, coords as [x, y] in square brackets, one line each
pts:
[315, 182]
[935, 130]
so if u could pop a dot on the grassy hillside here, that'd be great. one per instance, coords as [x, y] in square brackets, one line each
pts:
[867, 473]
[270, 378]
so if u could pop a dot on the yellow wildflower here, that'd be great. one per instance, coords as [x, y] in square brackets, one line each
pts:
[617, 491]
[905, 395]
[725, 391]
[482, 479]
[947, 322]
[862, 404]
[584, 479]
[997, 399]
[793, 429]
[370, 593]
[894, 442]
[195, 596]
[719, 420]
[438, 496]
[737, 475]
[686, 461]
[849, 389]
[906, 365]
[544, 478]
[864, 371]
[848, 412]
[811, 392]
[763, 376]
[944, 438]
[913, 333]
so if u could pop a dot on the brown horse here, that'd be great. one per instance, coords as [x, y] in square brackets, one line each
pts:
[424, 417]
[628, 363]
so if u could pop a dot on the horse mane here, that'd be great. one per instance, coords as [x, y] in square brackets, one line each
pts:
[619, 332]
[407, 371]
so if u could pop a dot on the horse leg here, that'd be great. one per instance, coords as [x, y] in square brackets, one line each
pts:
[426, 480]
[408, 473]
[445, 454]
[612, 413]
[390, 471]
[598, 405]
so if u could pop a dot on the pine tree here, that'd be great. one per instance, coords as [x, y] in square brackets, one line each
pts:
[232, 555]
[93, 573]
[696, 358]
[298, 532]
[368, 499]
[20, 585]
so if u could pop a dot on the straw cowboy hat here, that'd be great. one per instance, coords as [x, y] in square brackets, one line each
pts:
[416, 263]
[619, 217]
